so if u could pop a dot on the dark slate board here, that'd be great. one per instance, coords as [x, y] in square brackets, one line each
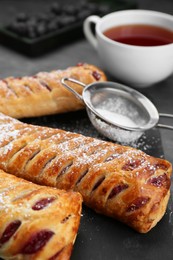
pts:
[103, 238]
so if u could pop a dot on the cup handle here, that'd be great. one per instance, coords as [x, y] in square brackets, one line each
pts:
[87, 29]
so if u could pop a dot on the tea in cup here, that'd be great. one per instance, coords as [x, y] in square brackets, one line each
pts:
[134, 46]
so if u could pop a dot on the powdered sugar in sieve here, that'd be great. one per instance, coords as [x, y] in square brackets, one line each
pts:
[117, 111]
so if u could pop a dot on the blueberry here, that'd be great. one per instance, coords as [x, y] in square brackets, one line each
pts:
[92, 7]
[51, 16]
[83, 14]
[43, 17]
[22, 17]
[104, 9]
[66, 20]
[31, 33]
[32, 21]
[56, 8]
[41, 29]
[18, 28]
[52, 26]
[69, 9]
[82, 4]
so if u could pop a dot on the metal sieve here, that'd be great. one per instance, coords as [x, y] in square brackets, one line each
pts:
[118, 112]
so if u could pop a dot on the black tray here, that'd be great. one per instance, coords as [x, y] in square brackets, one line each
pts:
[103, 238]
[47, 42]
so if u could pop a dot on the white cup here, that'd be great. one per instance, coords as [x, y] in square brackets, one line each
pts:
[137, 66]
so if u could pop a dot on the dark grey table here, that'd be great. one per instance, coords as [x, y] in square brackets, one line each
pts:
[15, 64]
[99, 237]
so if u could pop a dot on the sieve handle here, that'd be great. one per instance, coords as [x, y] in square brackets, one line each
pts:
[163, 125]
[63, 81]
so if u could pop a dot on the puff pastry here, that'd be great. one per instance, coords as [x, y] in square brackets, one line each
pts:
[118, 181]
[43, 93]
[36, 222]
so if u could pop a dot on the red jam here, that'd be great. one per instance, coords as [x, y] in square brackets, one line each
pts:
[117, 189]
[10, 231]
[96, 75]
[41, 204]
[37, 241]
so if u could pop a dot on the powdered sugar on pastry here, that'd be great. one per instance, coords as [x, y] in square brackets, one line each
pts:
[37, 222]
[115, 180]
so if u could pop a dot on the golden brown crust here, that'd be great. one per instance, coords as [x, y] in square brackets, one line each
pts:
[118, 181]
[36, 222]
[43, 94]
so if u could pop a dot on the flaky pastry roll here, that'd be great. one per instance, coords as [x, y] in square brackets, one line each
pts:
[43, 93]
[36, 222]
[117, 181]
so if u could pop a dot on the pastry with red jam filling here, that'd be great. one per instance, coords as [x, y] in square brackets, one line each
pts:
[36, 222]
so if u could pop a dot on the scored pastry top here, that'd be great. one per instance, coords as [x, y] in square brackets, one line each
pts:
[43, 93]
[118, 181]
